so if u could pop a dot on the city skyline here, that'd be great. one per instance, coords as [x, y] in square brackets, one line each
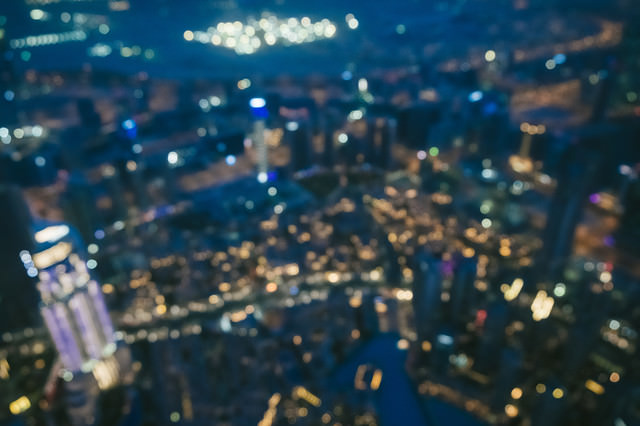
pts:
[239, 212]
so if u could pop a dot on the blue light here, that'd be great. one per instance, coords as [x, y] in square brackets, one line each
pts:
[346, 75]
[9, 95]
[99, 234]
[130, 128]
[230, 160]
[258, 108]
[475, 96]
[560, 58]
[490, 108]
[128, 124]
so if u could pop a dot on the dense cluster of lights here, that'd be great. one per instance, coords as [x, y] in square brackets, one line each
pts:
[246, 39]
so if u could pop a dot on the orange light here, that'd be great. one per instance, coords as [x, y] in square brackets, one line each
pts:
[271, 287]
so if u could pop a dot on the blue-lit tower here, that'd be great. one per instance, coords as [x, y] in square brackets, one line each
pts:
[259, 112]
[74, 310]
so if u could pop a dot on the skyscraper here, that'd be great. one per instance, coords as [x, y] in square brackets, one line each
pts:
[76, 316]
[427, 287]
[577, 175]
[260, 113]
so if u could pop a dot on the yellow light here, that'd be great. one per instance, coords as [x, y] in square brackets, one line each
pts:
[468, 252]
[52, 255]
[107, 288]
[511, 410]
[20, 405]
[224, 287]
[39, 364]
[426, 346]
[4, 369]
[188, 35]
[403, 344]
[541, 388]
[333, 277]
[358, 383]
[376, 379]
[355, 301]
[594, 387]
[516, 393]
[355, 334]
[161, 309]
[297, 340]
[302, 392]
[557, 393]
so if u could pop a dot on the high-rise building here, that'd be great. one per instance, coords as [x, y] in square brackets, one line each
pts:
[576, 179]
[427, 289]
[76, 316]
[260, 113]
[298, 135]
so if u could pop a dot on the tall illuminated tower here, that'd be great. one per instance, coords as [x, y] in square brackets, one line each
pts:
[74, 311]
[260, 113]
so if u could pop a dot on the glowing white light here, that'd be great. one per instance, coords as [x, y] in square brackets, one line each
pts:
[51, 233]
[230, 160]
[257, 103]
[560, 290]
[445, 339]
[355, 115]
[272, 191]
[353, 23]
[292, 126]
[490, 55]
[475, 96]
[486, 223]
[37, 14]
[204, 105]
[92, 264]
[363, 85]
[92, 248]
[262, 177]
[343, 138]
[421, 154]
[172, 157]
[40, 161]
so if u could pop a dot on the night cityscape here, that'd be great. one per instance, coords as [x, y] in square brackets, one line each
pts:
[278, 212]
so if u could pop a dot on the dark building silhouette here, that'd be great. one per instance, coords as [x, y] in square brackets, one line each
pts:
[18, 295]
